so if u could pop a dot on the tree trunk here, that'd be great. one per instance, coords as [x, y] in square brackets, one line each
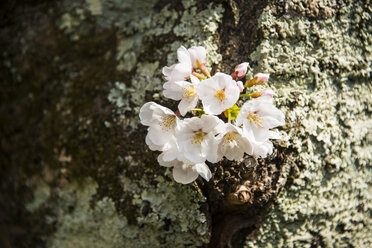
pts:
[75, 169]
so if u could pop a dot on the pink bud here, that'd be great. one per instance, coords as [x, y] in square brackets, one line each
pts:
[268, 92]
[241, 69]
[240, 85]
[261, 78]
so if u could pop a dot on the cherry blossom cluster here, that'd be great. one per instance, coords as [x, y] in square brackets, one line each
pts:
[214, 127]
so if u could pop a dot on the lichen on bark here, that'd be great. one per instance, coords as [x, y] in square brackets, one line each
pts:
[76, 169]
[322, 71]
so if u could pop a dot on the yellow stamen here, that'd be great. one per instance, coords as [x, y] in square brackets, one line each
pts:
[198, 137]
[220, 95]
[188, 93]
[168, 122]
[256, 119]
[231, 137]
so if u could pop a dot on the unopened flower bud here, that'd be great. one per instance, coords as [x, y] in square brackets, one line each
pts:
[256, 94]
[266, 92]
[241, 70]
[259, 78]
[198, 75]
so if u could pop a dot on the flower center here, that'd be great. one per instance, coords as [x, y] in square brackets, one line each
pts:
[255, 119]
[231, 137]
[198, 137]
[168, 122]
[187, 166]
[220, 95]
[189, 92]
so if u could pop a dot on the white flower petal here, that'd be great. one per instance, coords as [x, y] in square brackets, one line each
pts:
[183, 55]
[274, 135]
[196, 138]
[167, 71]
[197, 53]
[181, 70]
[186, 105]
[151, 113]
[258, 116]
[212, 146]
[218, 93]
[209, 123]
[203, 170]
[193, 152]
[194, 80]
[184, 174]
[172, 90]
[168, 163]
[153, 146]
[233, 143]
[240, 85]
[263, 149]
[158, 136]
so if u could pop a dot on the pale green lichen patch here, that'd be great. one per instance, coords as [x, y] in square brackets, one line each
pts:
[188, 27]
[89, 66]
[41, 195]
[95, 6]
[321, 70]
[70, 22]
[169, 215]
[153, 210]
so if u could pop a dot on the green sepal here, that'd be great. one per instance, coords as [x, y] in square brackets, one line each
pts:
[234, 111]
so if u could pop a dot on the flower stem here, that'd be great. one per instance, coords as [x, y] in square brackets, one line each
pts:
[197, 109]
[242, 95]
[229, 116]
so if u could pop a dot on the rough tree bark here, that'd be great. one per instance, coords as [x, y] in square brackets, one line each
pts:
[75, 171]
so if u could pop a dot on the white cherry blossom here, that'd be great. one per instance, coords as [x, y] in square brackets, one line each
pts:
[262, 149]
[184, 171]
[162, 123]
[233, 143]
[218, 93]
[196, 138]
[258, 116]
[180, 71]
[198, 56]
[184, 91]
